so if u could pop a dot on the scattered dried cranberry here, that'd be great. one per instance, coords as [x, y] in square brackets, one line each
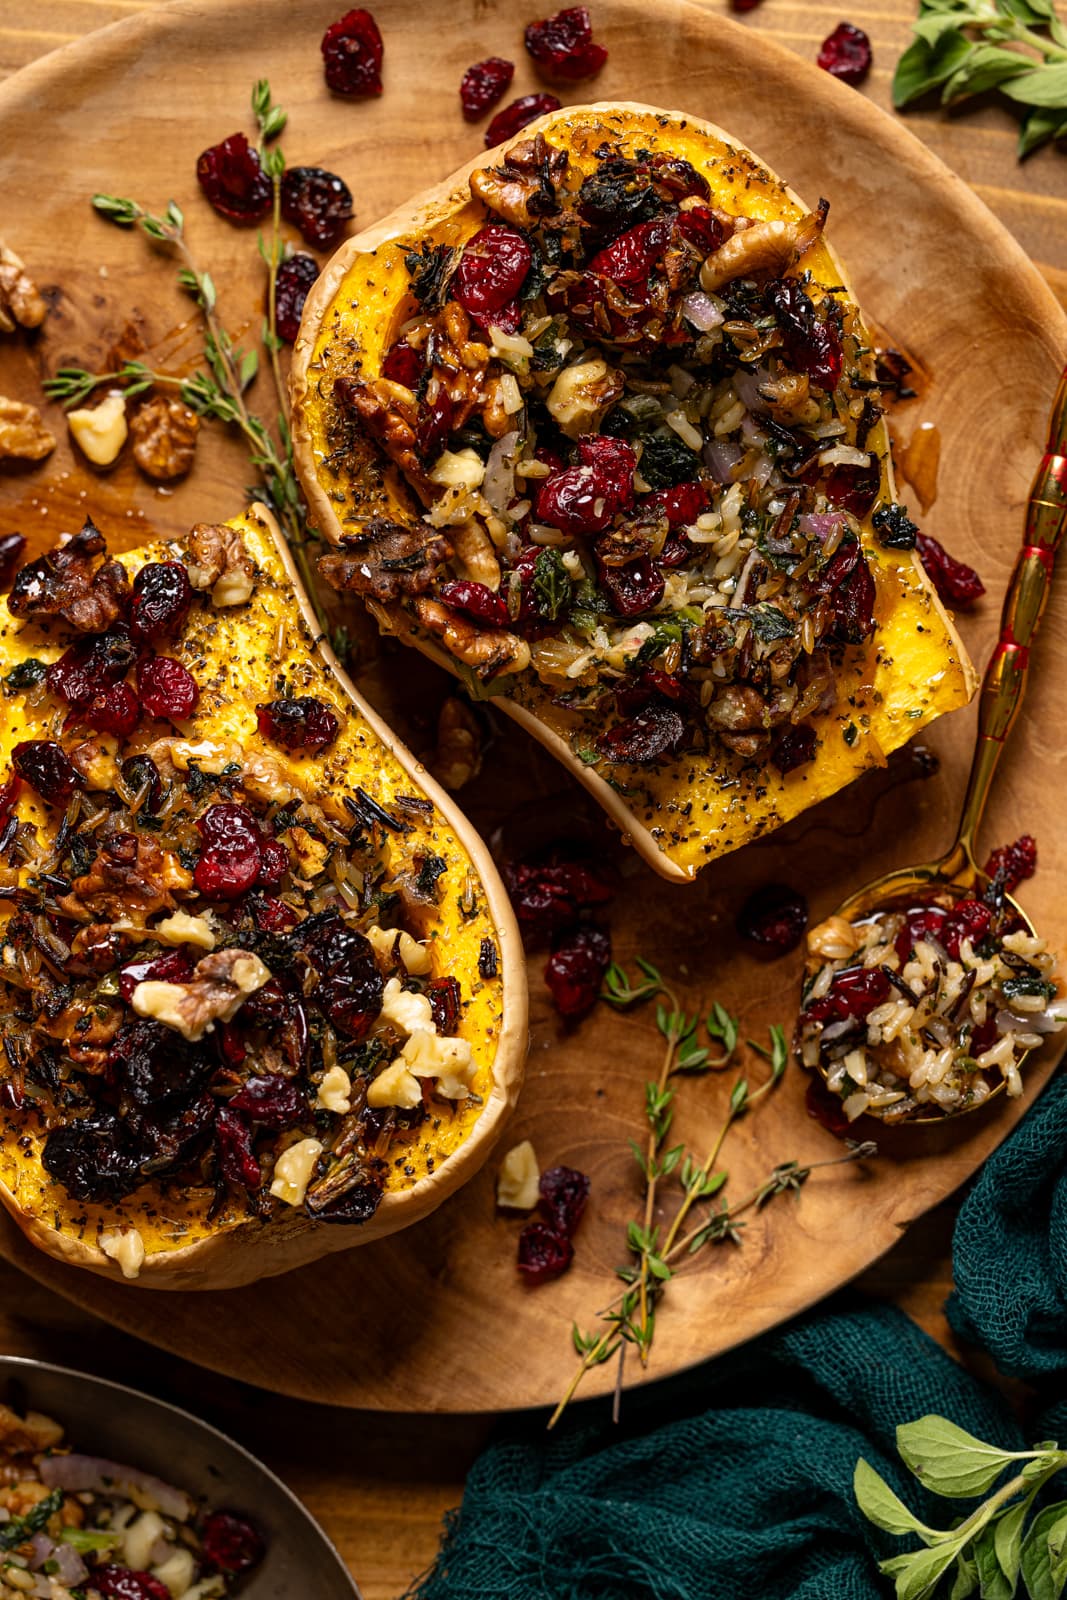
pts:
[970, 919]
[350, 987]
[850, 585]
[573, 501]
[562, 46]
[445, 996]
[91, 664]
[10, 790]
[681, 505]
[272, 1100]
[575, 969]
[920, 923]
[853, 488]
[634, 589]
[549, 896]
[475, 600]
[45, 766]
[121, 1583]
[292, 286]
[233, 1141]
[984, 1037]
[614, 462]
[268, 914]
[1012, 864]
[317, 202]
[174, 967]
[162, 596]
[846, 53]
[563, 1192]
[956, 583]
[515, 116]
[656, 731]
[543, 1253]
[854, 993]
[230, 1542]
[629, 259]
[167, 689]
[773, 919]
[794, 748]
[352, 50]
[491, 272]
[403, 364]
[435, 423]
[139, 771]
[117, 711]
[12, 549]
[483, 85]
[233, 180]
[812, 343]
[232, 854]
[299, 722]
[826, 1108]
[273, 864]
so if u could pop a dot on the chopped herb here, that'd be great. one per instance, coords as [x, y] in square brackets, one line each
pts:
[487, 959]
[25, 675]
[19, 1529]
[851, 734]
[666, 461]
[552, 587]
[769, 624]
[426, 882]
[431, 269]
[896, 531]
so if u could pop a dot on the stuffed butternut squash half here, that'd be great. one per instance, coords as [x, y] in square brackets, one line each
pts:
[595, 424]
[262, 996]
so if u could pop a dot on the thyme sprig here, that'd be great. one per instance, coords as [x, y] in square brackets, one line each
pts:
[967, 47]
[656, 1253]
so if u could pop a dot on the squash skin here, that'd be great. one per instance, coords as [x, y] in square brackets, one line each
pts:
[689, 810]
[233, 654]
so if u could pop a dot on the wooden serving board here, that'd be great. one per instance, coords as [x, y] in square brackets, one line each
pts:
[434, 1319]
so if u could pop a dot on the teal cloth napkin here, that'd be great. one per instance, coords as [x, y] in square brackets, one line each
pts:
[735, 1482]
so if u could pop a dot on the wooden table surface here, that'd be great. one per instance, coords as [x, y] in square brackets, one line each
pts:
[380, 1485]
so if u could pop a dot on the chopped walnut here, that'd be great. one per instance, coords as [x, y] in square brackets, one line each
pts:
[219, 561]
[219, 986]
[130, 880]
[29, 1434]
[22, 304]
[64, 583]
[491, 653]
[475, 553]
[164, 432]
[100, 431]
[523, 188]
[23, 436]
[390, 415]
[387, 560]
[582, 394]
[769, 247]
[458, 757]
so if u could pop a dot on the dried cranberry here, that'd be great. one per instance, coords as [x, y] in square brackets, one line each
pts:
[272, 1100]
[614, 462]
[350, 987]
[795, 747]
[515, 116]
[11, 1097]
[634, 589]
[116, 712]
[1012, 864]
[700, 227]
[848, 581]
[920, 923]
[299, 722]
[984, 1037]
[167, 689]
[629, 259]
[12, 550]
[162, 595]
[812, 343]
[233, 180]
[403, 364]
[846, 53]
[10, 790]
[956, 583]
[543, 1253]
[550, 896]
[657, 731]
[574, 501]
[575, 969]
[269, 914]
[681, 505]
[139, 771]
[273, 864]
[475, 600]
[233, 1141]
[149, 1066]
[969, 919]
[295, 276]
[317, 202]
[854, 993]
[483, 85]
[232, 854]
[563, 1192]
[445, 995]
[121, 1583]
[826, 1108]
[46, 767]
[174, 967]
[230, 1542]
[91, 664]
[435, 423]
[491, 271]
[562, 46]
[854, 488]
[773, 919]
[231, 1045]
[352, 50]
[94, 1158]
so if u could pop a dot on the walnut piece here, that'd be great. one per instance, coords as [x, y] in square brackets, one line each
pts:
[27, 1435]
[491, 652]
[523, 188]
[387, 560]
[23, 436]
[219, 561]
[100, 431]
[219, 986]
[164, 432]
[65, 584]
[21, 303]
[458, 757]
[131, 879]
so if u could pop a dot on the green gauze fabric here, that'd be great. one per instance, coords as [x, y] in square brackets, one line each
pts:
[731, 1483]
[1009, 1253]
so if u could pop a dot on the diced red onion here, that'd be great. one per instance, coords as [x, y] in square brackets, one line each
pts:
[1046, 1021]
[498, 485]
[722, 456]
[820, 524]
[762, 470]
[79, 1474]
[746, 385]
[701, 312]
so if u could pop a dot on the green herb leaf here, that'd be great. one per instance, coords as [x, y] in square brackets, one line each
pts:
[1043, 1562]
[19, 1529]
[1046, 86]
[881, 1505]
[949, 1460]
[769, 624]
[917, 1574]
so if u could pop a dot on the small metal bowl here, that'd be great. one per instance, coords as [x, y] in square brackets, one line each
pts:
[107, 1419]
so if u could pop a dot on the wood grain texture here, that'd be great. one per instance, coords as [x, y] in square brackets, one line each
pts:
[357, 1473]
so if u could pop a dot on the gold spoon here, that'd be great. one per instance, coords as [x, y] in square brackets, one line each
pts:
[1001, 695]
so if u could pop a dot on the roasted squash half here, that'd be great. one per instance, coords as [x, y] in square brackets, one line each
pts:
[594, 423]
[262, 994]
